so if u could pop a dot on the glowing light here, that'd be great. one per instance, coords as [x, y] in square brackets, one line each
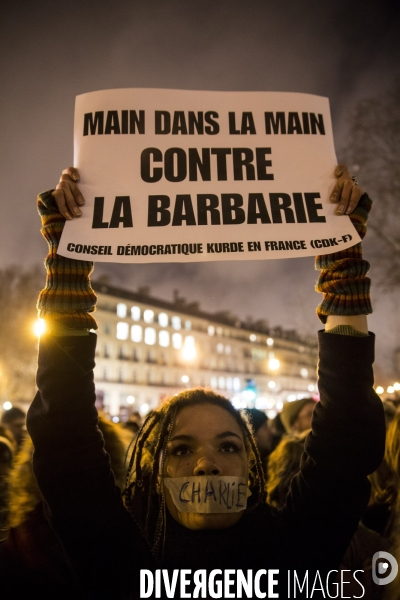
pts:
[39, 327]
[271, 414]
[130, 400]
[253, 337]
[271, 384]
[115, 420]
[265, 403]
[279, 405]
[236, 402]
[185, 379]
[274, 364]
[390, 389]
[291, 398]
[7, 405]
[379, 389]
[270, 342]
[248, 395]
[396, 386]
[304, 372]
[144, 409]
[189, 348]
[311, 387]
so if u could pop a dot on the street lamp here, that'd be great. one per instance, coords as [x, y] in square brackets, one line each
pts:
[274, 364]
[39, 327]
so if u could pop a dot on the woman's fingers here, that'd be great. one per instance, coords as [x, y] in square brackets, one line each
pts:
[345, 195]
[356, 193]
[59, 197]
[79, 199]
[72, 172]
[67, 194]
[346, 192]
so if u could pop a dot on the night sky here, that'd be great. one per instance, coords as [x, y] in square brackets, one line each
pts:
[53, 50]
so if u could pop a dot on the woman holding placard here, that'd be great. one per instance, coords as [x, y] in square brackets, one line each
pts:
[194, 500]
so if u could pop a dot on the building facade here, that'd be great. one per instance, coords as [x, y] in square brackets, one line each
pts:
[149, 349]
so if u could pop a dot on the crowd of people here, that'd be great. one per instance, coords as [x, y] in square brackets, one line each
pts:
[86, 504]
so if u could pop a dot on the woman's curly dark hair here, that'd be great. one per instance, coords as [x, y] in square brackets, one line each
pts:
[143, 497]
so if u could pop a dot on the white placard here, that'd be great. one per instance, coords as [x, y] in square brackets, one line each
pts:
[182, 176]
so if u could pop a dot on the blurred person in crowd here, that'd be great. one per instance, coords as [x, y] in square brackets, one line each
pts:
[7, 449]
[14, 420]
[133, 423]
[296, 416]
[199, 436]
[392, 499]
[390, 410]
[283, 465]
[378, 515]
[32, 560]
[262, 432]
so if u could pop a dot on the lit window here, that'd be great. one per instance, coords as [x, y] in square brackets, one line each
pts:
[188, 325]
[253, 337]
[270, 342]
[229, 383]
[271, 384]
[135, 313]
[148, 316]
[221, 383]
[220, 348]
[176, 322]
[150, 336]
[121, 310]
[236, 384]
[189, 348]
[177, 341]
[136, 333]
[211, 330]
[304, 373]
[163, 338]
[214, 382]
[122, 331]
[163, 319]
[185, 379]
[130, 399]
[227, 349]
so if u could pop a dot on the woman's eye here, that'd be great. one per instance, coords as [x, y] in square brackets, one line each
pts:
[229, 447]
[180, 451]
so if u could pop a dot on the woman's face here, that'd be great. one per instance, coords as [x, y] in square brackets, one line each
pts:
[205, 440]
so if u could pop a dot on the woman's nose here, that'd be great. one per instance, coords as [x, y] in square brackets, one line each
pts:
[206, 466]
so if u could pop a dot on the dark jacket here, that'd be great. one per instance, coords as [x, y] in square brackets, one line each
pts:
[311, 533]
